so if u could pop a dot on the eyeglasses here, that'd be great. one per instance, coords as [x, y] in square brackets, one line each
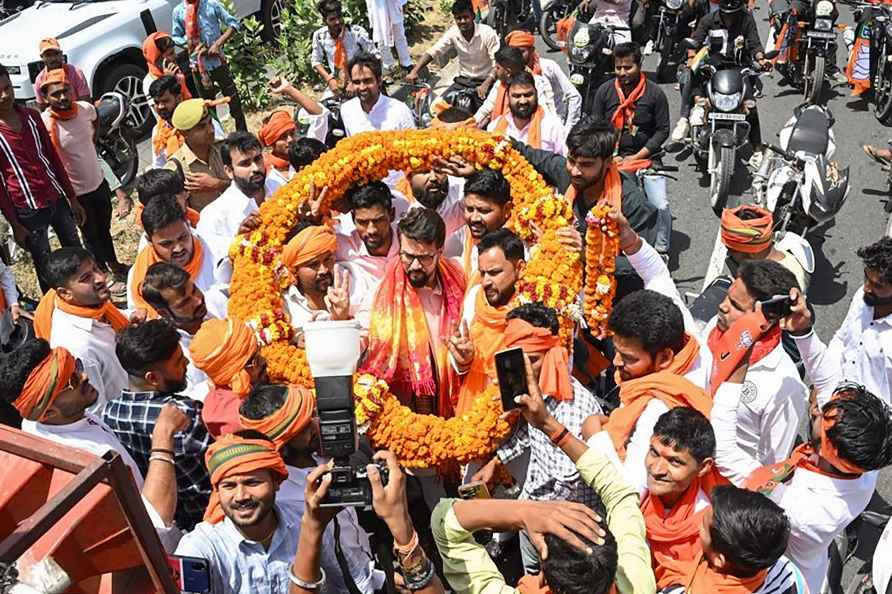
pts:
[77, 378]
[423, 259]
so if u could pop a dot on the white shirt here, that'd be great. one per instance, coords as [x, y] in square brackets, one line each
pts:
[92, 342]
[475, 57]
[567, 99]
[860, 351]
[361, 298]
[366, 270]
[452, 211]
[93, 436]
[275, 179]
[221, 219]
[819, 507]
[543, 91]
[386, 114]
[204, 280]
[554, 136]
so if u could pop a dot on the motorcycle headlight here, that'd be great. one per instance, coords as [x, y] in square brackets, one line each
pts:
[823, 24]
[581, 39]
[726, 102]
[577, 79]
[580, 54]
[674, 4]
[824, 8]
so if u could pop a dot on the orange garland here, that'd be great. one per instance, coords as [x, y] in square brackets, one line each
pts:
[553, 277]
[601, 248]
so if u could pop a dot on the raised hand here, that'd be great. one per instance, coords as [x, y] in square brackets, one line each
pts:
[461, 346]
[337, 298]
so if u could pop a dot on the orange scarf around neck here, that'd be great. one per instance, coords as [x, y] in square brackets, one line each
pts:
[668, 386]
[146, 258]
[624, 115]
[400, 343]
[192, 28]
[68, 114]
[611, 193]
[501, 106]
[763, 347]
[43, 315]
[703, 579]
[340, 54]
[487, 334]
[166, 138]
[534, 136]
[277, 163]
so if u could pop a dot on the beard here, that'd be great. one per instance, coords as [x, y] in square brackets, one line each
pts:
[250, 185]
[176, 387]
[418, 278]
[323, 282]
[874, 301]
[260, 512]
[523, 112]
[497, 298]
[433, 198]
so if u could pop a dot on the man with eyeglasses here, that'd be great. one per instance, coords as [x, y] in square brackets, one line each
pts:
[65, 419]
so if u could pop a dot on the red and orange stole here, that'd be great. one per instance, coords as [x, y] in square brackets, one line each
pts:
[668, 386]
[400, 345]
[487, 334]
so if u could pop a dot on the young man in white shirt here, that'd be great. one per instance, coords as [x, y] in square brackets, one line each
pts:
[510, 62]
[371, 242]
[353, 38]
[66, 421]
[526, 120]
[242, 156]
[861, 349]
[83, 320]
[827, 482]
[370, 109]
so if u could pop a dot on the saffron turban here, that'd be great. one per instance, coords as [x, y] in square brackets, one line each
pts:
[286, 423]
[748, 236]
[233, 455]
[44, 384]
[554, 378]
[520, 38]
[308, 245]
[222, 348]
[279, 124]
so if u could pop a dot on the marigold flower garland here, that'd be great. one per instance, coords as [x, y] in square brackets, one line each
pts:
[601, 248]
[553, 276]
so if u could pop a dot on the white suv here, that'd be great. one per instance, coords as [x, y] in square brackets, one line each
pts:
[104, 39]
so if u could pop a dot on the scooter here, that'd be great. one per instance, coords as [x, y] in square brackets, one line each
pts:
[798, 181]
[115, 140]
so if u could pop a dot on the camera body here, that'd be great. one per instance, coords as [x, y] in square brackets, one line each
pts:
[350, 485]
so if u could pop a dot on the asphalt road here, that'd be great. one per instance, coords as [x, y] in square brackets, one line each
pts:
[862, 220]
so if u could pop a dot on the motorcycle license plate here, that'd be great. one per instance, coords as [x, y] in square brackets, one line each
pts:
[727, 116]
[821, 34]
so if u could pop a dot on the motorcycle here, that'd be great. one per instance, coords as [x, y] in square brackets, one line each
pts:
[115, 140]
[798, 181]
[335, 129]
[721, 121]
[669, 30]
[506, 15]
[555, 12]
[874, 61]
[590, 54]
[807, 40]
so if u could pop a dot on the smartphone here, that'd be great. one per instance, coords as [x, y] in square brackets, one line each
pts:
[474, 490]
[191, 574]
[776, 307]
[512, 375]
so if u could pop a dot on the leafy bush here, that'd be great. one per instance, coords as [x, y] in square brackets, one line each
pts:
[248, 57]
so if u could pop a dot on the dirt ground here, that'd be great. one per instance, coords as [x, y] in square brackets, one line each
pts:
[125, 232]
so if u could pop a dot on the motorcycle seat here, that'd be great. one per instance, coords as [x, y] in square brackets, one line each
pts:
[811, 133]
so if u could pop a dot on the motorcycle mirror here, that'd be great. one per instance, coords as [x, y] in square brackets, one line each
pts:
[771, 55]
[689, 43]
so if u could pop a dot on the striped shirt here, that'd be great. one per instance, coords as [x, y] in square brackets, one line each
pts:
[32, 175]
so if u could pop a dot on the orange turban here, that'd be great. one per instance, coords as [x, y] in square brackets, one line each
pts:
[54, 76]
[44, 384]
[307, 245]
[221, 348]
[520, 38]
[232, 454]
[287, 422]
[747, 236]
[279, 124]
[554, 379]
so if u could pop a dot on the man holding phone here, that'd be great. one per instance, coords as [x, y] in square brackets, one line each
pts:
[550, 474]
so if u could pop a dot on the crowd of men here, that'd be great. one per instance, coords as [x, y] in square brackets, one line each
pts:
[667, 457]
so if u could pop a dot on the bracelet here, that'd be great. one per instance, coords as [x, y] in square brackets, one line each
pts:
[406, 550]
[306, 585]
[165, 450]
[162, 458]
[558, 435]
[416, 580]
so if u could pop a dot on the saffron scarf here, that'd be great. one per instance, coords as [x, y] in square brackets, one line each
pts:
[763, 347]
[58, 76]
[166, 138]
[858, 67]
[154, 62]
[193, 34]
[534, 136]
[472, 275]
[624, 115]
[308, 245]
[44, 384]
[286, 423]
[705, 580]
[728, 348]
[400, 345]
[535, 584]
[146, 258]
[278, 163]
[501, 105]
[43, 315]
[232, 454]
[487, 334]
[554, 378]
[611, 194]
[668, 386]
[221, 349]
[340, 55]
[749, 236]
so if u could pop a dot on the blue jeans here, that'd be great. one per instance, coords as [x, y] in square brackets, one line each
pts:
[655, 189]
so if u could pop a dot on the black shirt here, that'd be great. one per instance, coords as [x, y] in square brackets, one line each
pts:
[650, 126]
[745, 25]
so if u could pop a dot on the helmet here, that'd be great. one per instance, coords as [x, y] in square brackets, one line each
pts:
[730, 6]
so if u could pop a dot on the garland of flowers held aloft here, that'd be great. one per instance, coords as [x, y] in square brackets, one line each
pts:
[553, 277]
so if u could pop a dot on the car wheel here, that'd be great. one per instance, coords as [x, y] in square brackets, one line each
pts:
[272, 19]
[127, 80]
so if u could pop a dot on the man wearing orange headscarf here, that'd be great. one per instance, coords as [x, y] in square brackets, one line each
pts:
[77, 314]
[526, 120]
[550, 473]
[277, 134]
[227, 351]
[159, 52]
[748, 234]
[567, 99]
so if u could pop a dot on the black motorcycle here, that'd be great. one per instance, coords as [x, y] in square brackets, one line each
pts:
[875, 23]
[590, 56]
[809, 41]
[506, 15]
[554, 12]
[669, 28]
[115, 140]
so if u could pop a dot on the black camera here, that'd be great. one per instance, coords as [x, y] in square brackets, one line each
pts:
[332, 352]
